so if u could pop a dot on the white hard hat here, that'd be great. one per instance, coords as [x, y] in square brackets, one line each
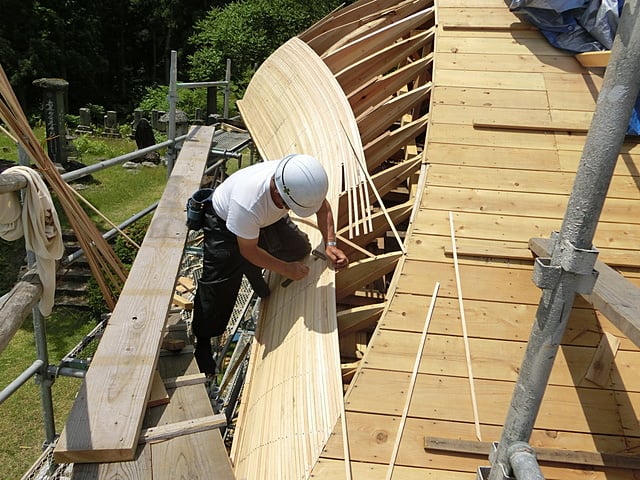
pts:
[302, 183]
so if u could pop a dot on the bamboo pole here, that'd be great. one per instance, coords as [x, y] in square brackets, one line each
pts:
[107, 269]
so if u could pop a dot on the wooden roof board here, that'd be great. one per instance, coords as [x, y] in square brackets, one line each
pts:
[491, 206]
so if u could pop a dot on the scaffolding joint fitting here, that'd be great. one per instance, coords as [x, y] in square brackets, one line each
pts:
[572, 259]
[566, 258]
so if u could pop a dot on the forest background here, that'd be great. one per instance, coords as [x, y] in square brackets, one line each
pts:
[115, 55]
[112, 53]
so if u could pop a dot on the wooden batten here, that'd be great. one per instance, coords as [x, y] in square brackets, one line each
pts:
[380, 224]
[368, 46]
[106, 418]
[359, 318]
[385, 86]
[384, 182]
[349, 280]
[391, 142]
[381, 118]
[353, 77]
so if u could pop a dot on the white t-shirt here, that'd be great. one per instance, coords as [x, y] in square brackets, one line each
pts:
[244, 200]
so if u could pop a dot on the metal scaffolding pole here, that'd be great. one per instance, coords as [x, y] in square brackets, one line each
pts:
[570, 268]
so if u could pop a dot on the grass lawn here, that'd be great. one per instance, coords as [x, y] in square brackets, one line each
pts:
[118, 194]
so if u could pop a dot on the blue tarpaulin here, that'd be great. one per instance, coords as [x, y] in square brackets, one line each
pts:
[577, 26]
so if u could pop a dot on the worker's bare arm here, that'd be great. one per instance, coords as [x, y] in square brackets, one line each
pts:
[327, 228]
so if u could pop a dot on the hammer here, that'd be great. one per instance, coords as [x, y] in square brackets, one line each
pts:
[316, 254]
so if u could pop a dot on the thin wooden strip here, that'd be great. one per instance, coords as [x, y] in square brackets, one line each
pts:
[556, 455]
[463, 321]
[412, 382]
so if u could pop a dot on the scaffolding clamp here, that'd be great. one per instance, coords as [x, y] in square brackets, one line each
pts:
[567, 258]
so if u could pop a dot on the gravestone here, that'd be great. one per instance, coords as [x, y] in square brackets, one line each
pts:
[53, 112]
[84, 127]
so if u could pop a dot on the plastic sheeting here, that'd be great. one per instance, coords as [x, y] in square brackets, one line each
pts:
[577, 26]
[574, 25]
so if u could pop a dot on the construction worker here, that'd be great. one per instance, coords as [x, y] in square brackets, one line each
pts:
[247, 228]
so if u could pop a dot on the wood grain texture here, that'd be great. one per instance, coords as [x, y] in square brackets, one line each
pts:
[106, 418]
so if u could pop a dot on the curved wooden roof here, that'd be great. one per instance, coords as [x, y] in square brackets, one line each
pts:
[468, 120]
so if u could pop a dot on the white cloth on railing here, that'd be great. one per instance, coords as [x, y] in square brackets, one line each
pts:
[39, 224]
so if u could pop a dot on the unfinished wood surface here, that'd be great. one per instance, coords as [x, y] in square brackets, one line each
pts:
[106, 418]
[197, 455]
[499, 161]
[286, 112]
[613, 295]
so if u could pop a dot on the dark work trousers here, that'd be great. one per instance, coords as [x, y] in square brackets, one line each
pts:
[222, 272]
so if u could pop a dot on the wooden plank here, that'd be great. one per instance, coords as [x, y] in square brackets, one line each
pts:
[556, 120]
[183, 380]
[107, 415]
[509, 44]
[442, 152]
[599, 370]
[525, 204]
[371, 436]
[489, 18]
[586, 410]
[467, 135]
[509, 63]
[158, 394]
[488, 97]
[485, 79]
[186, 427]
[516, 180]
[594, 59]
[613, 295]
[380, 118]
[355, 76]
[387, 85]
[497, 359]
[542, 454]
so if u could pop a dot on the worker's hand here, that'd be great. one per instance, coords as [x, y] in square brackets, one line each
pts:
[296, 270]
[337, 257]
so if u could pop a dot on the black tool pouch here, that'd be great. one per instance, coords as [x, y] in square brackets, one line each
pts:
[196, 207]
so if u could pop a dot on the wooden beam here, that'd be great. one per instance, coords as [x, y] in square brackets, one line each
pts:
[17, 305]
[379, 150]
[355, 52]
[106, 418]
[374, 122]
[359, 318]
[158, 395]
[386, 86]
[356, 75]
[10, 182]
[613, 295]
[555, 455]
[357, 274]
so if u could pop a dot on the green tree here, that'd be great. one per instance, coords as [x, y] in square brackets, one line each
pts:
[247, 32]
